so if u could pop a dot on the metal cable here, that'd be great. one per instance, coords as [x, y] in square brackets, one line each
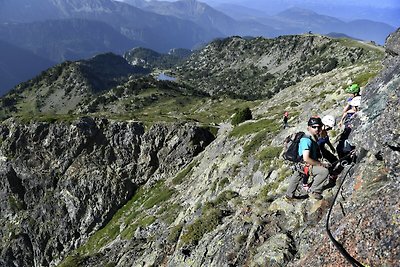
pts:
[339, 246]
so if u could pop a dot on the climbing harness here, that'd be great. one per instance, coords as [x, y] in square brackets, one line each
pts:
[339, 246]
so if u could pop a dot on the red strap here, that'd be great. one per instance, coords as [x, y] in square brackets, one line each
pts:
[306, 169]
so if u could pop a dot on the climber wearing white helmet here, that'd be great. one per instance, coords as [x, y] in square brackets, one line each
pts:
[349, 114]
[328, 123]
[354, 91]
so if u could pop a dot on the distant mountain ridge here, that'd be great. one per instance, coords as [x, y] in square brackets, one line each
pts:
[306, 20]
[61, 88]
[249, 69]
[67, 39]
[155, 31]
[205, 16]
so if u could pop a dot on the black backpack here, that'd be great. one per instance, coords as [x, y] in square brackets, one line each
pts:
[291, 147]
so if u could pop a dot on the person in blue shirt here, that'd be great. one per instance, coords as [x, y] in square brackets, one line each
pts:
[317, 170]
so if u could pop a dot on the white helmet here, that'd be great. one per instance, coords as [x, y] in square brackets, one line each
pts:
[329, 120]
[356, 101]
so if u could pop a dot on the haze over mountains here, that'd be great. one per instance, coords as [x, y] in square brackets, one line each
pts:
[70, 30]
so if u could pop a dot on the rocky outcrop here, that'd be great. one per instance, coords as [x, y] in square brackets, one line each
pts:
[378, 127]
[258, 68]
[365, 220]
[61, 182]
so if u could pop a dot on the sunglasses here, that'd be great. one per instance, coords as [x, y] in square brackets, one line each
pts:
[316, 127]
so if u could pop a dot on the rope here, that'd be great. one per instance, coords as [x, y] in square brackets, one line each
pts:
[339, 246]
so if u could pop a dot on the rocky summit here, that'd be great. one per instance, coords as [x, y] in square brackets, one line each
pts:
[199, 187]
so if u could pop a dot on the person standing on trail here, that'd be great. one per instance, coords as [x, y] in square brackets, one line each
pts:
[285, 119]
[317, 170]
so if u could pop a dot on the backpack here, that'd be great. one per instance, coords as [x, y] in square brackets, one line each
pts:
[291, 147]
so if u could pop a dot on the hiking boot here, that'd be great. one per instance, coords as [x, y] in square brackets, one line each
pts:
[316, 196]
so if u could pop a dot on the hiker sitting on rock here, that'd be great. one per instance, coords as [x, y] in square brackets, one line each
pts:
[308, 149]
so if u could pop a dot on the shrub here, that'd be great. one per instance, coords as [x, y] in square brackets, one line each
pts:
[241, 116]
[175, 233]
[205, 224]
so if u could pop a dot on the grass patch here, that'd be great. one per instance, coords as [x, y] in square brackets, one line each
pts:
[180, 177]
[281, 108]
[73, 261]
[317, 85]
[225, 197]
[323, 94]
[266, 131]
[267, 125]
[169, 212]
[223, 182]
[363, 78]
[205, 224]
[269, 154]
[211, 217]
[45, 117]
[174, 233]
[158, 195]
[265, 191]
[254, 144]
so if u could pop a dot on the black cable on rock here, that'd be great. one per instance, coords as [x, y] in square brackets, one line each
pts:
[339, 246]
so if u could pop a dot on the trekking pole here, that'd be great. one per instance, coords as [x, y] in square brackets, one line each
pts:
[339, 246]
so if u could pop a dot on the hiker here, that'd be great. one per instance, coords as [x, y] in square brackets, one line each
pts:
[285, 119]
[329, 122]
[308, 149]
[354, 91]
[344, 148]
[349, 115]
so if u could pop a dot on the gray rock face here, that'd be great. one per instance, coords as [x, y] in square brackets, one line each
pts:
[61, 182]
[365, 220]
[378, 127]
